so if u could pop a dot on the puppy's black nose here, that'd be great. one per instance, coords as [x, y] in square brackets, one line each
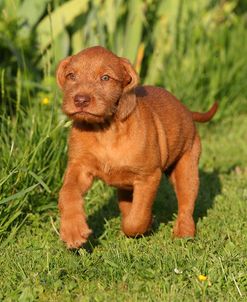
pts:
[82, 100]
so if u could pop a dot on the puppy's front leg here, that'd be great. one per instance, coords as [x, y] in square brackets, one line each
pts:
[74, 230]
[139, 218]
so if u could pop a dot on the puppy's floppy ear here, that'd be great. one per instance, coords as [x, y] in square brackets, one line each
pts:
[127, 101]
[60, 76]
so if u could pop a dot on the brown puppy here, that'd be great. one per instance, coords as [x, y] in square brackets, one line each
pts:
[126, 135]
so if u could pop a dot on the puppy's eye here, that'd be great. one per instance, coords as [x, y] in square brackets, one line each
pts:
[71, 76]
[105, 77]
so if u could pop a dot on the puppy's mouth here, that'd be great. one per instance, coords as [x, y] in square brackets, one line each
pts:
[83, 112]
[86, 116]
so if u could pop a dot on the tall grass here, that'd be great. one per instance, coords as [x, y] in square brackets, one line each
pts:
[32, 146]
[195, 49]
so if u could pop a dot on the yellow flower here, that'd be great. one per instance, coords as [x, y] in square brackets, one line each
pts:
[45, 101]
[202, 278]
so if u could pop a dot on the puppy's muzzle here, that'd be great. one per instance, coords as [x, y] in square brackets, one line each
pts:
[82, 101]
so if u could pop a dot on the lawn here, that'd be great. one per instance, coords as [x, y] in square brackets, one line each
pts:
[197, 50]
[35, 264]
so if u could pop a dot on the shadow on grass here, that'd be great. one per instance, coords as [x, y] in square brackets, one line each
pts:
[165, 206]
[97, 221]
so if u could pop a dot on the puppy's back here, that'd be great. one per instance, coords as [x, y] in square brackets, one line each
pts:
[172, 114]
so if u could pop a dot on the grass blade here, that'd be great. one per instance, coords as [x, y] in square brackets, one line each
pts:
[19, 194]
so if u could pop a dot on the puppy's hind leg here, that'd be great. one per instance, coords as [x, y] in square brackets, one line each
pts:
[137, 215]
[125, 199]
[185, 179]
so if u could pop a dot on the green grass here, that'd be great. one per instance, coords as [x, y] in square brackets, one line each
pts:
[35, 265]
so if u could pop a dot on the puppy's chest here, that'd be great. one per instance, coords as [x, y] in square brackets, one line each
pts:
[116, 166]
[117, 160]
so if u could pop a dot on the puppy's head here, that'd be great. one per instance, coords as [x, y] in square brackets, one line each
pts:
[97, 86]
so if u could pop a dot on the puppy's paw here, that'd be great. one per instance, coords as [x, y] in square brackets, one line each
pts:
[74, 230]
[133, 227]
[184, 227]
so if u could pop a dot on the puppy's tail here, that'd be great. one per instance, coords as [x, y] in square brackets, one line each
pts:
[206, 116]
